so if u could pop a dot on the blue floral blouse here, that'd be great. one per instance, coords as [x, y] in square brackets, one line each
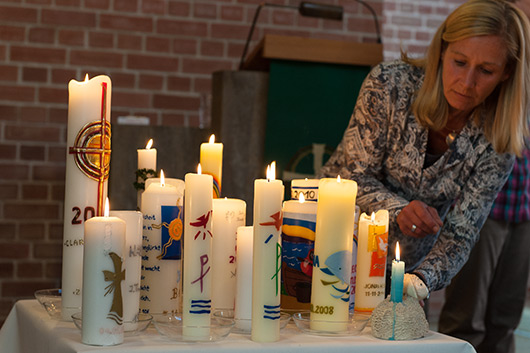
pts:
[383, 150]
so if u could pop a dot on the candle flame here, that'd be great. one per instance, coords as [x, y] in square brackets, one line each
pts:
[338, 178]
[212, 139]
[162, 179]
[271, 171]
[397, 250]
[199, 169]
[301, 197]
[107, 208]
[373, 217]
[86, 78]
[149, 144]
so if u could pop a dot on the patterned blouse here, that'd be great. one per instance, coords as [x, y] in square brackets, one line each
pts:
[383, 150]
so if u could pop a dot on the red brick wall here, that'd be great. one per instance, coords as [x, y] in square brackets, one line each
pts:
[160, 55]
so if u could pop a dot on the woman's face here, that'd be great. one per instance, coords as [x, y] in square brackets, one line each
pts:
[471, 69]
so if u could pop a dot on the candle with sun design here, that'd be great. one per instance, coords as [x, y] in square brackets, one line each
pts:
[87, 172]
[162, 203]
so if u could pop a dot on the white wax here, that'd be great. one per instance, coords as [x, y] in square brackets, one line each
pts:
[133, 264]
[84, 196]
[197, 280]
[211, 160]
[228, 215]
[308, 187]
[243, 304]
[103, 274]
[332, 263]
[160, 289]
[371, 261]
[266, 276]
[146, 160]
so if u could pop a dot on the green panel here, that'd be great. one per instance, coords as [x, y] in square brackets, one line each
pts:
[308, 103]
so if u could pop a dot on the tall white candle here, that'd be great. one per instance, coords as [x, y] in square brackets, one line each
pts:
[371, 260]
[330, 290]
[87, 171]
[243, 305]
[228, 215]
[298, 242]
[133, 264]
[162, 203]
[266, 276]
[103, 274]
[211, 160]
[197, 285]
[147, 163]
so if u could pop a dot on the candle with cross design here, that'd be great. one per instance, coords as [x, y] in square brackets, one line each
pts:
[87, 171]
[267, 253]
[197, 279]
[160, 286]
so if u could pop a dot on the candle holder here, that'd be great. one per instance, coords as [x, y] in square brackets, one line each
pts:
[242, 326]
[172, 327]
[352, 327]
[399, 321]
[131, 328]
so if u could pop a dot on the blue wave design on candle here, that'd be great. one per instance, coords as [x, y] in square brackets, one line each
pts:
[204, 306]
[272, 312]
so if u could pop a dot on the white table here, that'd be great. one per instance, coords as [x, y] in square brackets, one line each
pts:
[29, 328]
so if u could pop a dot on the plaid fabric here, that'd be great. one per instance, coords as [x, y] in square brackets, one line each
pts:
[513, 201]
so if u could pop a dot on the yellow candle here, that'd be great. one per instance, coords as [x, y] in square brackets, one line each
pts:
[268, 197]
[212, 163]
[87, 171]
[330, 290]
[371, 260]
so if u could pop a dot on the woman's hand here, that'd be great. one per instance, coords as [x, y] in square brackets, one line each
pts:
[418, 220]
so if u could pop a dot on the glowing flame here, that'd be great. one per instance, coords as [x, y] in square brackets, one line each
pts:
[86, 78]
[212, 139]
[149, 144]
[301, 197]
[373, 217]
[397, 250]
[199, 169]
[162, 179]
[107, 208]
[338, 178]
[271, 171]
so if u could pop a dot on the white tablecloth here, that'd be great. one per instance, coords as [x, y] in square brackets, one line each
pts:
[28, 328]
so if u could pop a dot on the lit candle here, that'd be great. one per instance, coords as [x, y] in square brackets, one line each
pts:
[228, 215]
[162, 203]
[211, 161]
[197, 284]
[308, 187]
[87, 171]
[133, 264]
[243, 305]
[298, 242]
[398, 273]
[266, 276]
[330, 291]
[103, 273]
[146, 167]
[371, 260]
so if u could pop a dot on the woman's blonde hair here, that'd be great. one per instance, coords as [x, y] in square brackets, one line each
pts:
[505, 111]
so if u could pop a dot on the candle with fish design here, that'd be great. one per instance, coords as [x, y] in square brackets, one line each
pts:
[162, 203]
[211, 160]
[133, 264]
[266, 276]
[371, 260]
[330, 290]
[197, 284]
[243, 305]
[103, 274]
[228, 215]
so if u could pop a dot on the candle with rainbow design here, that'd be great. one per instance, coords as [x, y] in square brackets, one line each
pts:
[212, 163]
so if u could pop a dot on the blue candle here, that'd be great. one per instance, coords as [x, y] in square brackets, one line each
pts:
[398, 273]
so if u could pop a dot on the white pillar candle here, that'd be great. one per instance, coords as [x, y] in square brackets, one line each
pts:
[298, 242]
[162, 203]
[87, 168]
[211, 161]
[147, 163]
[330, 291]
[197, 285]
[243, 305]
[308, 187]
[266, 276]
[133, 264]
[371, 260]
[103, 274]
[228, 215]
[398, 274]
